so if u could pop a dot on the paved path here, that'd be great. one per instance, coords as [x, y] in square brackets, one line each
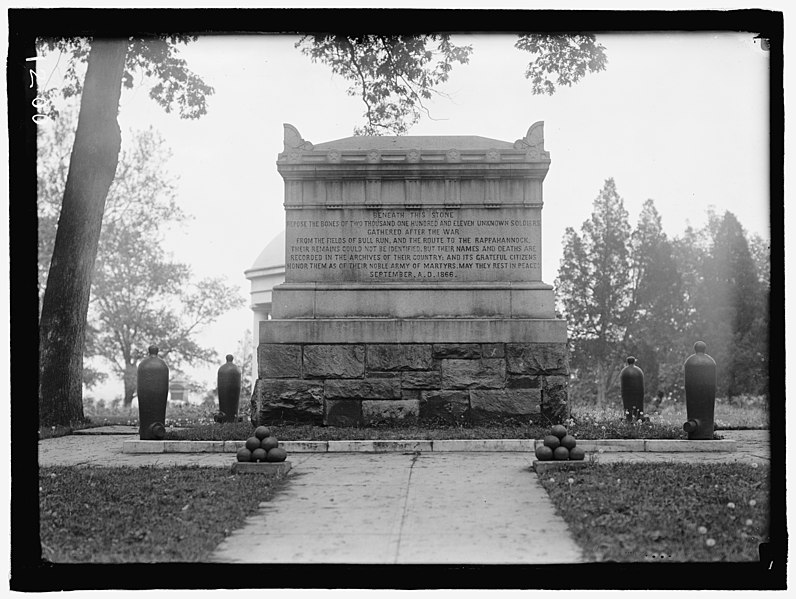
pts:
[752, 447]
[106, 450]
[444, 508]
[453, 508]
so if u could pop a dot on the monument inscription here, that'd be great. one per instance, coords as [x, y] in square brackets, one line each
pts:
[411, 245]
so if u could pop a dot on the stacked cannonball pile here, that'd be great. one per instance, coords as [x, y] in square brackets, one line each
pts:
[262, 447]
[559, 445]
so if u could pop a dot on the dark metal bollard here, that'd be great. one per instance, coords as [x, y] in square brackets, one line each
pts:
[153, 391]
[700, 393]
[228, 390]
[631, 384]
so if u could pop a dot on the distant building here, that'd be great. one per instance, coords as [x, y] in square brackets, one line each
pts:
[267, 271]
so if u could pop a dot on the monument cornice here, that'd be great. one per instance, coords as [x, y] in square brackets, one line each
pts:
[408, 206]
[420, 156]
[298, 172]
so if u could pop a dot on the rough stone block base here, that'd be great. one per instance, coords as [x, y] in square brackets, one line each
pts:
[364, 384]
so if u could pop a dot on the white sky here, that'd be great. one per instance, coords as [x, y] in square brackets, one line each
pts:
[681, 118]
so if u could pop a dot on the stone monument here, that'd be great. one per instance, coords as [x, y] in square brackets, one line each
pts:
[413, 287]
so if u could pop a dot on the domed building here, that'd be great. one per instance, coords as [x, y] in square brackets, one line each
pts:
[267, 271]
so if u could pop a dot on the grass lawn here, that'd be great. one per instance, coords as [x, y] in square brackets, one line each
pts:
[148, 514]
[664, 512]
[176, 415]
[740, 413]
[587, 422]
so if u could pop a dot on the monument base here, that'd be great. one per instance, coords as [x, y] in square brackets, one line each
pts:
[366, 372]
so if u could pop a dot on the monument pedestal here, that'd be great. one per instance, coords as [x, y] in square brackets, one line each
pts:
[413, 286]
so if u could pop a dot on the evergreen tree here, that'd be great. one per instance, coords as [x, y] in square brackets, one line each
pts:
[761, 254]
[593, 288]
[737, 301]
[651, 297]
[727, 304]
[657, 308]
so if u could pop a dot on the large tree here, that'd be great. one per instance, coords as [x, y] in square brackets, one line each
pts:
[92, 167]
[142, 190]
[392, 74]
[761, 253]
[395, 75]
[63, 315]
[142, 297]
[729, 320]
[593, 289]
[656, 311]
[725, 279]
[136, 288]
[54, 141]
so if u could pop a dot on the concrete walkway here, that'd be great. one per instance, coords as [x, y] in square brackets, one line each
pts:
[396, 508]
[454, 508]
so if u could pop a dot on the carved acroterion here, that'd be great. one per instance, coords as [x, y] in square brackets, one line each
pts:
[533, 142]
[294, 141]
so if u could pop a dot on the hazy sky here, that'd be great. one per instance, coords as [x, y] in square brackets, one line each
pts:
[681, 118]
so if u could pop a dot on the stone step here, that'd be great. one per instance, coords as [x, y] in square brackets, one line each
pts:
[412, 445]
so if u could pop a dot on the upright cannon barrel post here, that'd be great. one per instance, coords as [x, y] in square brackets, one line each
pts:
[699, 372]
[153, 391]
[228, 390]
[631, 384]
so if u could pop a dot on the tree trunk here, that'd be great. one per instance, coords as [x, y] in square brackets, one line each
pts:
[95, 153]
[130, 384]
